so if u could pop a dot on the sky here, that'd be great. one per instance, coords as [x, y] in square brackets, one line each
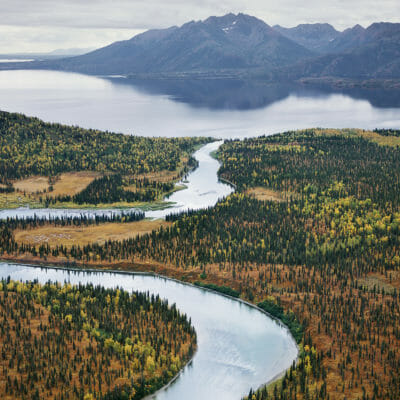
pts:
[46, 25]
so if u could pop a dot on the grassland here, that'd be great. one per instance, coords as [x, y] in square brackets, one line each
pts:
[16, 200]
[71, 235]
[33, 184]
[264, 194]
[71, 183]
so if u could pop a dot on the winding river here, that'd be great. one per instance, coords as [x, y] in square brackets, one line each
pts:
[202, 189]
[238, 346]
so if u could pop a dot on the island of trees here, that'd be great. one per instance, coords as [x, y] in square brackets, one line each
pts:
[86, 342]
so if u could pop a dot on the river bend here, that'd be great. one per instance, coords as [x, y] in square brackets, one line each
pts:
[239, 347]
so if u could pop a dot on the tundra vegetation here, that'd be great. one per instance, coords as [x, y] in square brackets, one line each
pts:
[323, 255]
[87, 342]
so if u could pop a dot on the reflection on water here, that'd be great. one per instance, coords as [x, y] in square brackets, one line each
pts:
[236, 94]
[215, 94]
[238, 347]
[46, 213]
[223, 109]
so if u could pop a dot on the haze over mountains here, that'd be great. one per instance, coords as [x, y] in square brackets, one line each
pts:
[241, 44]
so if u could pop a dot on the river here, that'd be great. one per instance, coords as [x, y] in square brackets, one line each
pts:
[238, 346]
[202, 189]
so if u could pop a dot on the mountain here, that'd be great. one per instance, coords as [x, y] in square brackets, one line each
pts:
[372, 53]
[76, 51]
[314, 37]
[231, 42]
[242, 46]
[347, 40]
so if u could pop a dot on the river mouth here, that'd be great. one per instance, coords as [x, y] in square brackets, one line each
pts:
[239, 347]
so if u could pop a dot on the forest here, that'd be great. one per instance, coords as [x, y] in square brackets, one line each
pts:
[111, 189]
[30, 147]
[87, 342]
[325, 258]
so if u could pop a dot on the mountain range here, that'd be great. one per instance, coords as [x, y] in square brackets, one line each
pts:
[358, 53]
[231, 42]
[244, 45]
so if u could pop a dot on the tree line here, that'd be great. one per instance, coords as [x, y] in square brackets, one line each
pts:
[29, 146]
[88, 342]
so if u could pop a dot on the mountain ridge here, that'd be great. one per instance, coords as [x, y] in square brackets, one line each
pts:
[312, 36]
[217, 43]
[242, 45]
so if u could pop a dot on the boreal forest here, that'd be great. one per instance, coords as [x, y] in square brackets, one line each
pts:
[311, 236]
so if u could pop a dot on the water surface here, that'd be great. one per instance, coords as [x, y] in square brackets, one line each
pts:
[239, 347]
[203, 188]
[222, 109]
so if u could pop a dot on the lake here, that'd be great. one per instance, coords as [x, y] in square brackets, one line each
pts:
[219, 108]
[239, 347]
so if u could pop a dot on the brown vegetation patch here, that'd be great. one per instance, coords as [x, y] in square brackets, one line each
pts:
[265, 194]
[71, 183]
[82, 235]
[68, 183]
[159, 176]
[32, 184]
[380, 282]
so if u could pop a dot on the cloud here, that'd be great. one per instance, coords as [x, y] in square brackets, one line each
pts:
[19, 39]
[48, 24]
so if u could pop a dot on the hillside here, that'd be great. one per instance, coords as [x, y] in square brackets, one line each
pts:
[358, 53]
[314, 37]
[232, 42]
[46, 164]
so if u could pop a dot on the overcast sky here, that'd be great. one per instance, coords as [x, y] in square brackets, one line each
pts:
[45, 25]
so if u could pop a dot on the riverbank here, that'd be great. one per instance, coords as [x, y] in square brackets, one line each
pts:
[194, 277]
[264, 346]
